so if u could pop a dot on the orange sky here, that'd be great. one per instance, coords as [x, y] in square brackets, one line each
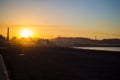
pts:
[52, 31]
[68, 18]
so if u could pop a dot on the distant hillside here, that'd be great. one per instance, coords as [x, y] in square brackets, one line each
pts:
[79, 41]
[110, 41]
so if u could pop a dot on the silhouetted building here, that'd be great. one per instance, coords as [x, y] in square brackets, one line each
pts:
[14, 41]
[2, 41]
[43, 42]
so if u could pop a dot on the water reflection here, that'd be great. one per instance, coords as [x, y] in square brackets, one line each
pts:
[100, 48]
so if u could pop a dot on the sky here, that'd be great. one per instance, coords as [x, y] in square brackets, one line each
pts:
[68, 18]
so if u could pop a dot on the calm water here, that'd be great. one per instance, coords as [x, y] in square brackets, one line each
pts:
[100, 48]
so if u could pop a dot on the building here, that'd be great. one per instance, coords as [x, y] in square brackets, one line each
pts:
[2, 41]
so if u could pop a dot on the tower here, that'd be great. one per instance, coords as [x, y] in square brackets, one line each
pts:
[8, 34]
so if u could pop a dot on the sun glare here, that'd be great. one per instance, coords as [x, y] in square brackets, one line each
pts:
[26, 33]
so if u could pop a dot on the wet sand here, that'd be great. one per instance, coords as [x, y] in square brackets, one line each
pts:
[55, 63]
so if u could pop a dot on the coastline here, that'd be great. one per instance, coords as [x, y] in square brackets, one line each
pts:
[115, 49]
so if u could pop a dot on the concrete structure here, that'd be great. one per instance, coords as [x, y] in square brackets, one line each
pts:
[3, 71]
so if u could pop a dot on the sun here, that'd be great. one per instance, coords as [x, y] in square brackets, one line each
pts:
[26, 33]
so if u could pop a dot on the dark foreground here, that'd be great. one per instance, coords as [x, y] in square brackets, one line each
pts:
[61, 64]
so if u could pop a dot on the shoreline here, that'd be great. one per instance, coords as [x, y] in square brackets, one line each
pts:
[113, 49]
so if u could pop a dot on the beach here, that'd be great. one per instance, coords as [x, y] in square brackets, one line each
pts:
[60, 63]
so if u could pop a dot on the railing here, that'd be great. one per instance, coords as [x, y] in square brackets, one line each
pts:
[3, 71]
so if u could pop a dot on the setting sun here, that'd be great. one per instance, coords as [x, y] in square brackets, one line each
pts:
[26, 33]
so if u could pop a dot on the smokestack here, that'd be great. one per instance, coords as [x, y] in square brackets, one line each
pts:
[8, 34]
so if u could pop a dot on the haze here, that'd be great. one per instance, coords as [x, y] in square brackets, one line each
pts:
[69, 18]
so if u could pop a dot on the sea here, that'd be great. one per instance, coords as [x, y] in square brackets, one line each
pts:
[100, 48]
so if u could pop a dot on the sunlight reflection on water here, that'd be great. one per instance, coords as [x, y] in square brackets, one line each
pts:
[100, 48]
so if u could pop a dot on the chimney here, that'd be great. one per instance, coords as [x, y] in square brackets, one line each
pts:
[8, 34]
